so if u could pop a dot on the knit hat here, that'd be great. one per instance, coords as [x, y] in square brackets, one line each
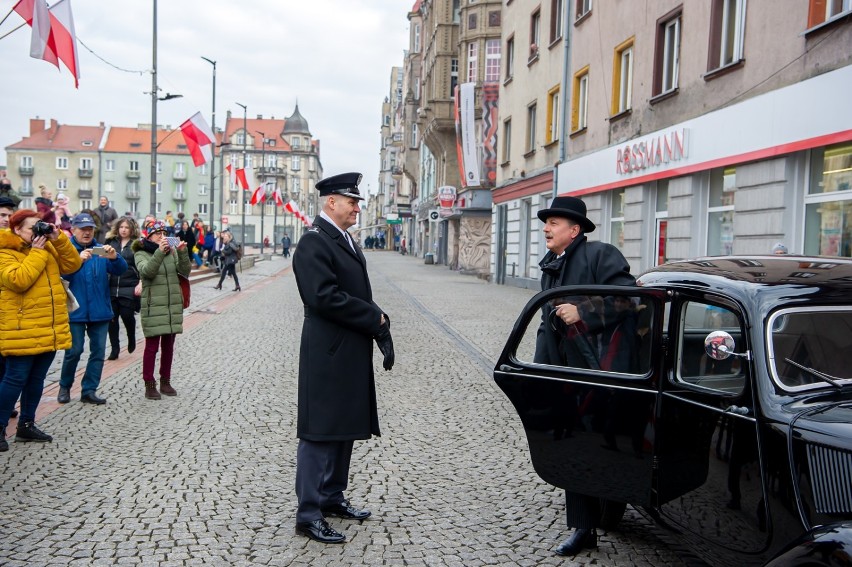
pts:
[156, 226]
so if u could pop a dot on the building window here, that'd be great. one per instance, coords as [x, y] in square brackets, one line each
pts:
[492, 60]
[727, 29]
[556, 20]
[159, 187]
[297, 184]
[510, 57]
[472, 61]
[295, 142]
[62, 163]
[535, 34]
[160, 208]
[109, 165]
[159, 167]
[616, 220]
[296, 163]
[494, 19]
[552, 115]
[471, 21]
[415, 43]
[85, 163]
[454, 76]
[134, 166]
[202, 169]
[828, 204]
[821, 11]
[232, 207]
[720, 212]
[668, 54]
[413, 141]
[109, 186]
[622, 78]
[27, 161]
[580, 100]
[531, 122]
[507, 140]
[62, 184]
[240, 138]
[133, 208]
[583, 8]
[202, 208]
[84, 204]
[202, 188]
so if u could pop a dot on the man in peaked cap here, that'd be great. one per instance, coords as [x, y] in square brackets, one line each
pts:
[337, 391]
[571, 259]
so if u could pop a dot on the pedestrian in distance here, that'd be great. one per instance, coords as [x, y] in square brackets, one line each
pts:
[337, 390]
[160, 266]
[571, 259]
[106, 215]
[125, 289]
[186, 233]
[45, 206]
[231, 253]
[7, 191]
[209, 245]
[90, 286]
[779, 248]
[33, 257]
[285, 245]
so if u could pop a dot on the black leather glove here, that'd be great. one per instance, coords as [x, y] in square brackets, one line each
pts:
[385, 342]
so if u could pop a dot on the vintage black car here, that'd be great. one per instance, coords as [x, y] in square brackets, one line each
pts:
[716, 397]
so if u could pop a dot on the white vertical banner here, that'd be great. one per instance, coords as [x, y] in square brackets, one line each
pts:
[470, 156]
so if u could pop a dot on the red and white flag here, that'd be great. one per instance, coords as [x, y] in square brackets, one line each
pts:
[291, 206]
[258, 195]
[36, 14]
[64, 37]
[232, 175]
[279, 200]
[199, 139]
[241, 180]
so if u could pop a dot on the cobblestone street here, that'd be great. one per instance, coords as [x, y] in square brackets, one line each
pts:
[206, 478]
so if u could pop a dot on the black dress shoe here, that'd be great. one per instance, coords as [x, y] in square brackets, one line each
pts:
[92, 398]
[64, 395]
[346, 510]
[579, 540]
[320, 531]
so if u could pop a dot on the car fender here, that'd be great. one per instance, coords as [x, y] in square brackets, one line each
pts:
[824, 545]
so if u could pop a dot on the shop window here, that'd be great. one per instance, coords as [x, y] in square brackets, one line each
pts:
[667, 58]
[828, 204]
[661, 216]
[616, 221]
[727, 32]
[552, 115]
[720, 212]
[622, 77]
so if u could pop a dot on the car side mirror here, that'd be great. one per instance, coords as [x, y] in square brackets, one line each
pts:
[719, 345]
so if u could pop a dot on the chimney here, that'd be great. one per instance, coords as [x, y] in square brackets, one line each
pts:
[36, 125]
[54, 126]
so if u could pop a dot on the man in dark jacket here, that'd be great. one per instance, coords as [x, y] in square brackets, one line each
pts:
[90, 286]
[7, 191]
[107, 215]
[571, 259]
[337, 392]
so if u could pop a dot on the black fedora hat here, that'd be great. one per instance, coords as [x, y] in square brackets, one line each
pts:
[569, 208]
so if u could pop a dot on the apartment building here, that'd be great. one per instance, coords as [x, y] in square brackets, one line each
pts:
[693, 129]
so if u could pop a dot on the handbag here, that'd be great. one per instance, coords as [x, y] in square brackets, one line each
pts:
[185, 289]
[70, 301]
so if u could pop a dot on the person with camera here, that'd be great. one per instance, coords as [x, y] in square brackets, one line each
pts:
[160, 264]
[230, 253]
[124, 290]
[337, 389]
[90, 285]
[33, 256]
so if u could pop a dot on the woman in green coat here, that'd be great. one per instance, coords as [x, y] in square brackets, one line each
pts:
[159, 266]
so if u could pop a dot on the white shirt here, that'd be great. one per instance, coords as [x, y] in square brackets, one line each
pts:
[345, 234]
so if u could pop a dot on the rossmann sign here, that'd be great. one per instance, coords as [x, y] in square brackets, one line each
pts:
[655, 151]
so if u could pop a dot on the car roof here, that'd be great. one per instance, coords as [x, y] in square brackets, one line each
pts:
[769, 279]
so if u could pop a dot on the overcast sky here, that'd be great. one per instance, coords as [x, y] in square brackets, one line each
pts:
[332, 56]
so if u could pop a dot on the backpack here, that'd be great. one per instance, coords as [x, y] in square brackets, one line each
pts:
[239, 252]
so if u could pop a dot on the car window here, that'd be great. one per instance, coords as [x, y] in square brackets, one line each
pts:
[817, 338]
[694, 367]
[613, 335]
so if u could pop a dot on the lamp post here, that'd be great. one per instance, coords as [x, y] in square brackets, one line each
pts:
[213, 160]
[265, 188]
[153, 210]
[245, 164]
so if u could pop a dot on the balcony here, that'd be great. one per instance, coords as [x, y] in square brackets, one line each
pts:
[270, 171]
[179, 196]
[179, 175]
[84, 194]
[396, 171]
[85, 173]
[133, 174]
[25, 191]
[132, 193]
[26, 171]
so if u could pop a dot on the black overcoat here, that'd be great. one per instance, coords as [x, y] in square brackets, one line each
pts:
[337, 390]
[584, 263]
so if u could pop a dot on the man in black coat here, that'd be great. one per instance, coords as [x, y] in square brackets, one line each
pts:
[573, 260]
[337, 391]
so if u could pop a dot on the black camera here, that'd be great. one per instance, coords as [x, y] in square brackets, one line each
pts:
[41, 228]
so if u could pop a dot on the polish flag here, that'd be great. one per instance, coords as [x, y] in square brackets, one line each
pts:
[232, 175]
[241, 180]
[36, 14]
[64, 37]
[258, 195]
[199, 139]
[279, 201]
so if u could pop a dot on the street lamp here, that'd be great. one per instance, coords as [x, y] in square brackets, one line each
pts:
[213, 159]
[245, 165]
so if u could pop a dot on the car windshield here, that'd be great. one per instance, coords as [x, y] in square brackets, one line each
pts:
[802, 343]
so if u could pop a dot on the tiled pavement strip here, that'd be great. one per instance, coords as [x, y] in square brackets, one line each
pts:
[206, 478]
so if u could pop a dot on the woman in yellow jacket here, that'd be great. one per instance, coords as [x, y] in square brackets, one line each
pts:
[33, 314]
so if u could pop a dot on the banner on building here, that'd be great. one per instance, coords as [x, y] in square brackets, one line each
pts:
[490, 121]
[457, 123]
[470, 153]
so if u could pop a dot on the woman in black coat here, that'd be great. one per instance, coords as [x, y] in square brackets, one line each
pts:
[230, 253]
[123, 288]
[186, 234]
